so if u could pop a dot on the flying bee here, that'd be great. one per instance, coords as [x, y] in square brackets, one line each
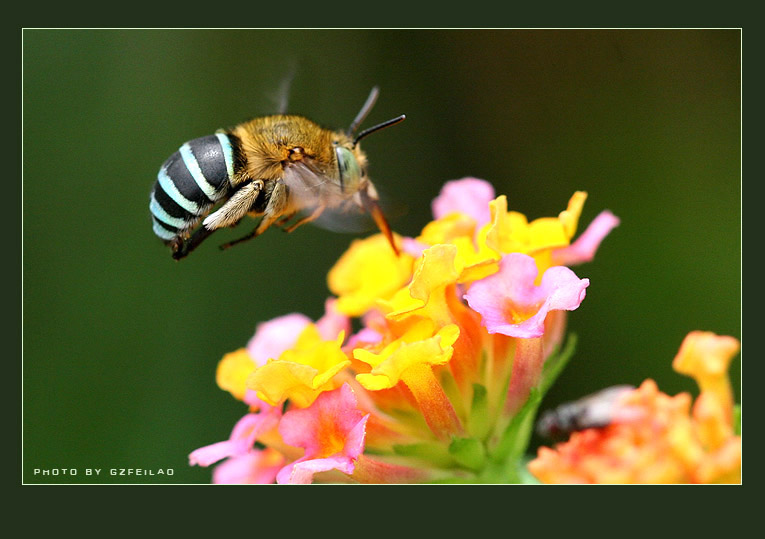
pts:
[274, 167]
[593, 411]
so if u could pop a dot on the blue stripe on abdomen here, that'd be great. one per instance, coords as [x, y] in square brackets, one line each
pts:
[168, 204]
[183, 181]
[192, 165]
[171, 188]
[189, 182]
[209, 154]
[228, 152]
[161, 214]
[162, 231]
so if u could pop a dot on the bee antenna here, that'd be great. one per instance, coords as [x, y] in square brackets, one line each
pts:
[368, 104]
[392, 121]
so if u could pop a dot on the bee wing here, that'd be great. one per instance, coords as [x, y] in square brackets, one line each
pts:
[308, 190]
[347, 218]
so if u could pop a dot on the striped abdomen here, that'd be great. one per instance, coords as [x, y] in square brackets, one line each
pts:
[190, 182]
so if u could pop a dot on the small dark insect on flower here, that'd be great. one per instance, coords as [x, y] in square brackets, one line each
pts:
[592, 411]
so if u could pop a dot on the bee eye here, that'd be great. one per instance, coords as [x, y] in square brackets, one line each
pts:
[349, 172]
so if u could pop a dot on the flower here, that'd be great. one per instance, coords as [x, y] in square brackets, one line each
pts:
[275, 336]
[242, 438]
[279, 334]
[469, 196]
[510, 303]
[458, 338]
[331, 431]
[368, 271]
[511, 232]
[706, 357]
[410, 360]
[271, 339]
[233, 371]
[302, 372]
[655, 438]
[256, 467]
[585, 246]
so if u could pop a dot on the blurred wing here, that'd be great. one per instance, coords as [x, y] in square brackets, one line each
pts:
[308, 189]
[352, 217]
[344, 212]
[348, 219]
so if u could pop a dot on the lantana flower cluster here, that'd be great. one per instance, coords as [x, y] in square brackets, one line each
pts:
[654, 438]
[457, 340]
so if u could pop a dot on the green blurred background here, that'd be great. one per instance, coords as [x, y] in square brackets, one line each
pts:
[121, 342]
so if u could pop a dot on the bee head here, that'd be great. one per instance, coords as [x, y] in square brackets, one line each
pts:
[349, 170]
[351, 163]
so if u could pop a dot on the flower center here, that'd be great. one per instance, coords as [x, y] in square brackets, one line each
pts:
[516, 313]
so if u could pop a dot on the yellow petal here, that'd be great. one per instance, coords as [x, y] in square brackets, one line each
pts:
[546, 233]
[278, 381]
[435, 271]
[233, 371]
[510, 232]
[570, 216]
[418, 346]
[302, 372]
[705, 356]
[368, 271]
[446, 229]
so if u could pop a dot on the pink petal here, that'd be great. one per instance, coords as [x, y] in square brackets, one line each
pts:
[275, 336]
[301, 471]
[364, 335]
[514, 280]
[251, 399]
[583, 249]
[413, 247]
[564, 291]
[253, 468]
[513, 288]
[354, 443]
[210, 454]
[242, 438]
[468, 195]
[333, 322]
[372, 331]
[335, 410]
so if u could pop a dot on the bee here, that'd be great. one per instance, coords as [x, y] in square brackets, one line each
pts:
[274, 167]
[593, 411]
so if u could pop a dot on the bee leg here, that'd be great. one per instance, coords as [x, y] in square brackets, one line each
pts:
[274, 210]
[183, 250]
[369, 201]
[315, 215]
[240, 240]
[235, 207]
[284, 220]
